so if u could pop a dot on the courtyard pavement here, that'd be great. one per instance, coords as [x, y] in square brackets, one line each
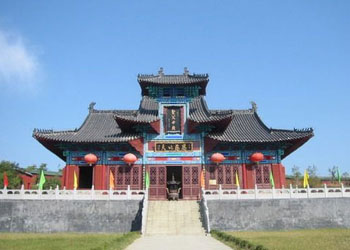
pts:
[177, 242]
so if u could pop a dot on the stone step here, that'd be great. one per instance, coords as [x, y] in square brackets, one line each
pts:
[174, 218]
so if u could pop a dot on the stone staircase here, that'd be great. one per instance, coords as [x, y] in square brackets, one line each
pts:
[174, 218]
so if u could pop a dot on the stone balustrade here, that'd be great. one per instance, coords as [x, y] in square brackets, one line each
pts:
[284, 193]
[63, 194]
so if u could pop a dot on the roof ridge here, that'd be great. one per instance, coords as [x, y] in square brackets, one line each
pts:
[303, 130]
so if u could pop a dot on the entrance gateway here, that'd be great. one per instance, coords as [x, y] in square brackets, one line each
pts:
[173, 133]
[187, 175]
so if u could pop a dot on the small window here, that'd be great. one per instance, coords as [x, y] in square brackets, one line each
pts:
[180, 92]
[166, 92]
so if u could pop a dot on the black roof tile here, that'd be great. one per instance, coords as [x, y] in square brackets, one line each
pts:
[147, 112]
[99, 127]
[246, 126]
[161, 79]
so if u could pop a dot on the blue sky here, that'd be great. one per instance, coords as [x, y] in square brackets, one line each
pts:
[290, 57]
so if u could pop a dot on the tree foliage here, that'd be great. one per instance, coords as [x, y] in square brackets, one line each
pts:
[314, 180]
[12, 175]
[296, 174]
[333, 172]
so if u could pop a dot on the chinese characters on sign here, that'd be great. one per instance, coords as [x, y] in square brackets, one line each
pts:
[173, 120]
[174, 146]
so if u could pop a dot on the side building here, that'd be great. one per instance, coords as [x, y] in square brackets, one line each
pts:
[173, 134]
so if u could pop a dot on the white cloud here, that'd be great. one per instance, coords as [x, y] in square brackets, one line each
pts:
[18, 65]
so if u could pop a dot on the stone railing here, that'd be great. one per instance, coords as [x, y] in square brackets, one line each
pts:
[283, 193]
[63, 194]
[144, 212]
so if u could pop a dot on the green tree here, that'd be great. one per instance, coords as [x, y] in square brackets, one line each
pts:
[296, 174]
[31, 168]
[43, 166]
[52, 182]
[333, 172]
[12, 174]
[314, 180]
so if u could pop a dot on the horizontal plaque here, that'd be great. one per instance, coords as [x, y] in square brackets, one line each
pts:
[174, 146]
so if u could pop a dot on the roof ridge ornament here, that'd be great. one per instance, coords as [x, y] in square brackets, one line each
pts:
[254, 106]
[161, 71]
[186, 71]
[91, 106]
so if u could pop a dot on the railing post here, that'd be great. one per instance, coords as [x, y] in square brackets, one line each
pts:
[110, 192]
[308, 191]
[74, 193]
[92, 192]
[290, 191]
[57, 191]
[325, 190]
[256, 191]
[128, 193]
[342, 190]
[220, 192]
[273, 192]
[22, 191]
[238, 192]
[5, 192]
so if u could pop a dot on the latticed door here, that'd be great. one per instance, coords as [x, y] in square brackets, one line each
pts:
[224, 175]
[157, 188]
[126, 175]
[191, 182]
[262, 175]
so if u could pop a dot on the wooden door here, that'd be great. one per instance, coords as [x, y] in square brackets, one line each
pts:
[157, 188]
[125, 176]
[262, 175]
[224, 175]
[191, 182]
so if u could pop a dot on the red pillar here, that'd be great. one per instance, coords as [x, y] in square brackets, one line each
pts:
[250, 177]
[100, 177]
[68, 176]
[244, 176]
[278, 171]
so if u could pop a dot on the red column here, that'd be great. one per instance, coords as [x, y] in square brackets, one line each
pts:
[100, 177]
[68, 176]
[250, 177]
[278, 171]
[244, 176]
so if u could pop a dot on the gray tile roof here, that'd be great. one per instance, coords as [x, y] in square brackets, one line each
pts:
[161, 79]
[147, 112]
[173, 79]
[99, 127]
[246, 126]
[200, 113]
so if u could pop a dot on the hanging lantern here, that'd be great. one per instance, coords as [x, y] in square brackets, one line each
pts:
[257, 157]
[90, 159]
[217, 158]
[129, 158]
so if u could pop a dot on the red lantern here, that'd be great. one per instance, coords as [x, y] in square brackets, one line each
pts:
[256, 157]
[90, 159]
[129, 158]
[217, 158]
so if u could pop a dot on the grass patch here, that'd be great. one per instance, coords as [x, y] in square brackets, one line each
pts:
[330, 239]
[71, 241]
[236, 242]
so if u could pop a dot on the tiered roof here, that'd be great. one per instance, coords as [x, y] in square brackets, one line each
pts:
[115, 126]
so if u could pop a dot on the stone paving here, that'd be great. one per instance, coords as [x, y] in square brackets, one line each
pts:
[177, 242]
[175, 225]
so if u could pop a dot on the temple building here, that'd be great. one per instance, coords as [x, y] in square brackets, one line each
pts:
[173, 135]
